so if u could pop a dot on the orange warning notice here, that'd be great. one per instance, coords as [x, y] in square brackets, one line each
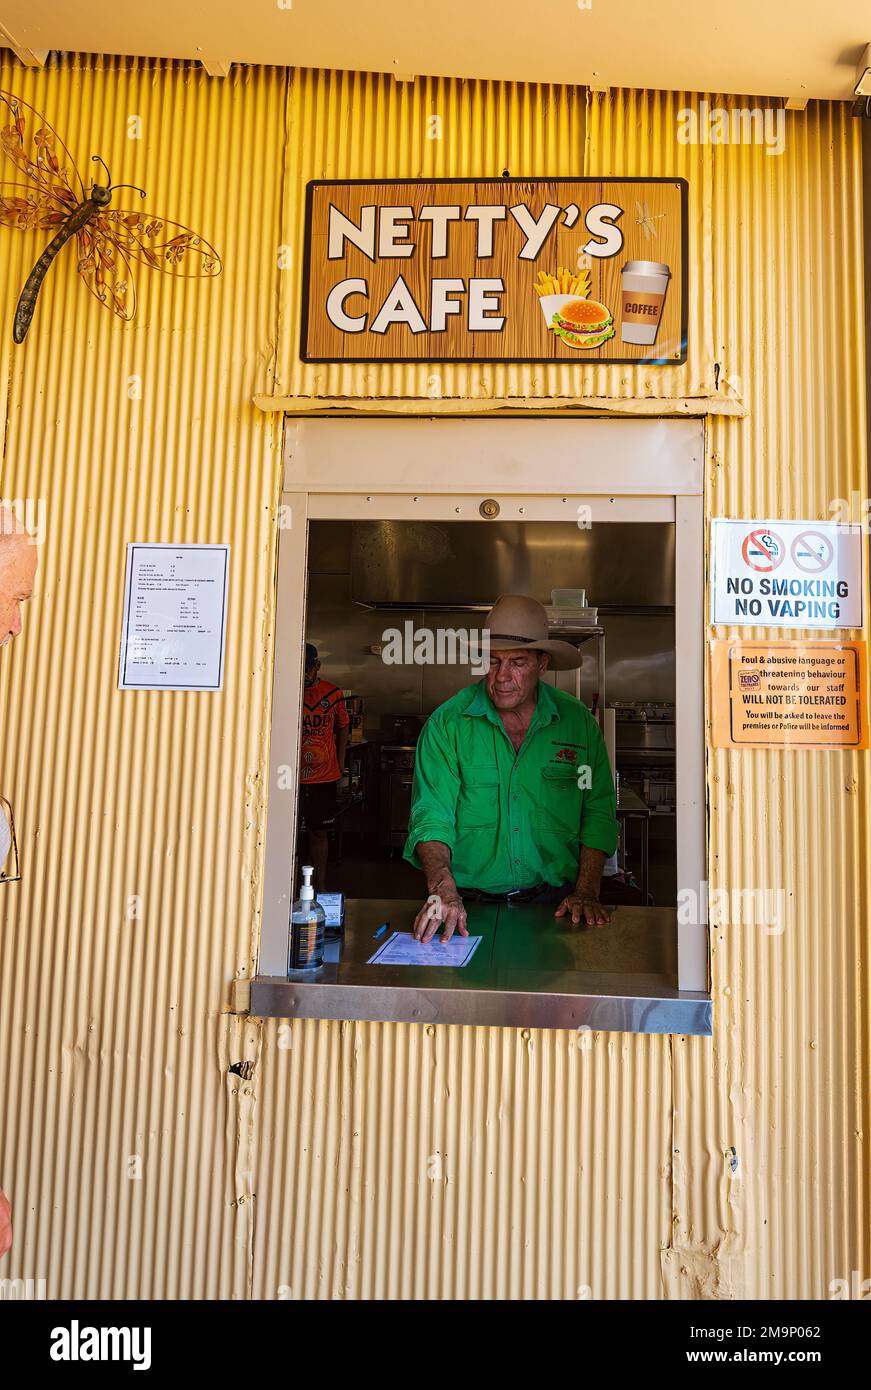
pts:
[789, 694]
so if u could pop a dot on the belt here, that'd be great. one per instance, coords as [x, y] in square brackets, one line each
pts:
[517, 895]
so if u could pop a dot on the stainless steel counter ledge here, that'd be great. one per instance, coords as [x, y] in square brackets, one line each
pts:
[529, 971]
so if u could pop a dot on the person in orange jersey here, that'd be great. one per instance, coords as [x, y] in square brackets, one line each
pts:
[325, 729]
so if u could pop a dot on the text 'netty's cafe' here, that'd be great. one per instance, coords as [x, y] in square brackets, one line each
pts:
[393, 232]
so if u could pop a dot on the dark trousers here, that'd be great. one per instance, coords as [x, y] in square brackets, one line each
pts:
[541, 893]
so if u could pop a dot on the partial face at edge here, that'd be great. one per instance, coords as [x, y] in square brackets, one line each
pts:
[17, 573]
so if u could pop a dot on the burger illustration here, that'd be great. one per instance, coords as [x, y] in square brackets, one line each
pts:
[583, 324]
[580, 322]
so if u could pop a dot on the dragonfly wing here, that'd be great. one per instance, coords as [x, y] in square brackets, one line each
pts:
[25, 206]
[157, 243]
[35, 149]
[106, 272]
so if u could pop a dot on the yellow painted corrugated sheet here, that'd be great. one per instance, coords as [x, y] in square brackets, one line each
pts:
[374, 1160]
[793, 1008]
[421, 1162]
[417, 1175]
[139, 815]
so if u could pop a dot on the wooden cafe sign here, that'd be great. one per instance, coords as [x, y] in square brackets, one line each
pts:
[507, 270]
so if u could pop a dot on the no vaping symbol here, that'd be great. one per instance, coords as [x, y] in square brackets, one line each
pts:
[812, 551]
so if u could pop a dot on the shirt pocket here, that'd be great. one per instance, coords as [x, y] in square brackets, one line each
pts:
[560, 808]
[478, 803]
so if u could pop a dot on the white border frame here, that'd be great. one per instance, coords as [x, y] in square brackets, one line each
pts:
[627, 470]
[132, 547]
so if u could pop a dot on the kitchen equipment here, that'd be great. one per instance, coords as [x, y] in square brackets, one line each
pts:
[464, 566]
[645, 731]
[571, 617]
[645, 724]
[405, 729]
[354, 706]
[397, 772]
[632, 808]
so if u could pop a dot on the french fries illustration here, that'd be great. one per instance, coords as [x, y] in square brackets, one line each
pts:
[564, 282]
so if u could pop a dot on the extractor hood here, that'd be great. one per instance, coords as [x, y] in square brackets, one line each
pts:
[465, 566]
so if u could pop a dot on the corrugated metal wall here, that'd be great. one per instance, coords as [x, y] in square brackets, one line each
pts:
[377, 1160]
[139, 815]
[794, 1022]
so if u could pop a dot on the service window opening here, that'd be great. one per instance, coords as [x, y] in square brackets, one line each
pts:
[395, 613]
[394, 627]
[598, 555]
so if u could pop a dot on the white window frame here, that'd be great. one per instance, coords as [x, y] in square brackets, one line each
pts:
[538, 470]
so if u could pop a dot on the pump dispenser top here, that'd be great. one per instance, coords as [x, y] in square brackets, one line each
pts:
[307, 892]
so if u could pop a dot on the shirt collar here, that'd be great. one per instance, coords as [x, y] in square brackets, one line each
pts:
[545, 706]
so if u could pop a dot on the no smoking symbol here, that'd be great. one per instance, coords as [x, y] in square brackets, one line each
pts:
[762, 550]
[812, 551]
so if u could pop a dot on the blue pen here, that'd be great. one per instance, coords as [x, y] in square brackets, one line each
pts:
[381, 930]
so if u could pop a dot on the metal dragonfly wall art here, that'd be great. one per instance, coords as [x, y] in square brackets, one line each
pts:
[108, 239]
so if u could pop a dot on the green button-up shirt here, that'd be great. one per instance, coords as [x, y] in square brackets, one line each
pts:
[512, 820]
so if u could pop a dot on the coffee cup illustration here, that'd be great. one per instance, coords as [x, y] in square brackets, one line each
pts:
[644, 286]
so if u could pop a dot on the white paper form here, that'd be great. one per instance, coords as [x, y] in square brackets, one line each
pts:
[175, 617]
[402, 949]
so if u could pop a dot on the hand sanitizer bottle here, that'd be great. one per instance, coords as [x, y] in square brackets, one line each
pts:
[307, 917]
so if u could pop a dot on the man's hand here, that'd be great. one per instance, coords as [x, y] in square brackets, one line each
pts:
[582, 904]
[435, 859]
[584, 908]
[5, 1224]
[450, 910]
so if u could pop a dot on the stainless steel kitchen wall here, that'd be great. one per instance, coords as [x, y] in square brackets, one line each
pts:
[629, 565]
[154, 1144]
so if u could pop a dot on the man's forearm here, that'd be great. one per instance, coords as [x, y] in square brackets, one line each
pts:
[435, 859]
[590, 871]
[341, 747]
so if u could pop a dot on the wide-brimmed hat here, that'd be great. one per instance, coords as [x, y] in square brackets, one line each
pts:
[518, 621]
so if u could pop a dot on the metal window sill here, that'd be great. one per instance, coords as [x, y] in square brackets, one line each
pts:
[529, 971]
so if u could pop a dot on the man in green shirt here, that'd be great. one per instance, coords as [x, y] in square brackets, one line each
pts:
[513, 797]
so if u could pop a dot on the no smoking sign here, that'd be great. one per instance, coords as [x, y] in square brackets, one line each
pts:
[799, 574]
